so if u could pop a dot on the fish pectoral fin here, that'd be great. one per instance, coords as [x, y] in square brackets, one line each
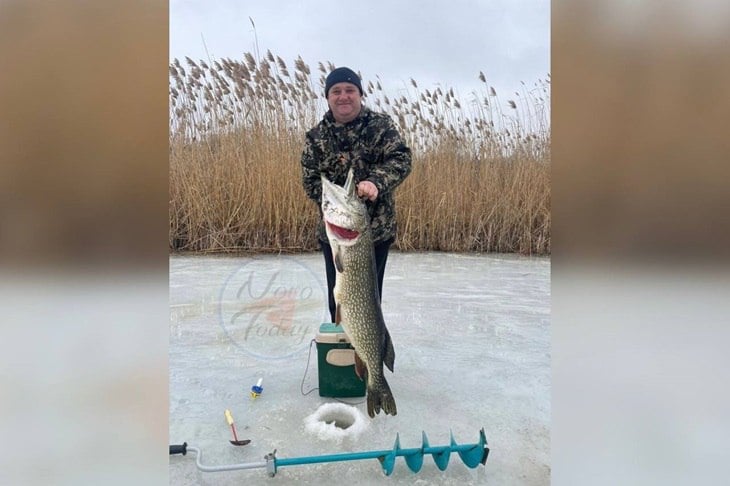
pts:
[388, 352]
[337, 257]
[360, 369]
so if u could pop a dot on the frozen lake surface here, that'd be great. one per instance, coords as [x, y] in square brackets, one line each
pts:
[472, 342]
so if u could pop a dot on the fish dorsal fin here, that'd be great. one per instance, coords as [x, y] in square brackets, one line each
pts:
[388, 351]
[337, 257]
[350, 184]
[361, 370]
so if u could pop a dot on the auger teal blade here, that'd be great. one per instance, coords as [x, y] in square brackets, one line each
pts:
[477, 454]
[440, 454]
[414, 461]
[388, 460]
[442, 459]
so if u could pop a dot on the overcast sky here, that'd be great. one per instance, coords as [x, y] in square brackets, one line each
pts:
[434, 42]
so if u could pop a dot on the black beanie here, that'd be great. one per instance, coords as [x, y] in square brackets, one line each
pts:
[342, 75]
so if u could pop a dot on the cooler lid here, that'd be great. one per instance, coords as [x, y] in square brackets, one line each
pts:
[329, 332]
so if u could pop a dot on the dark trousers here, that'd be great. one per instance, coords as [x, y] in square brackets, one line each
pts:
[381, 256]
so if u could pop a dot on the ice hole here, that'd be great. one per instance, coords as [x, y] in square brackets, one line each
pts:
[335, 421]
[340, 420]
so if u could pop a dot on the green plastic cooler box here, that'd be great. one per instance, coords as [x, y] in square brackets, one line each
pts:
[336, 363]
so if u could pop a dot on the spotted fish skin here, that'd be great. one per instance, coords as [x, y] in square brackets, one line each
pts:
[356, 292]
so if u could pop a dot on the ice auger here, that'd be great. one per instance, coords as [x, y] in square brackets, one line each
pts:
[471, 454]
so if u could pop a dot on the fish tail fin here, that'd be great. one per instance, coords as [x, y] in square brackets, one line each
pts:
[380, 398]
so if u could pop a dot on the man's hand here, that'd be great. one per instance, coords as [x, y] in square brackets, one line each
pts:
[367, 190]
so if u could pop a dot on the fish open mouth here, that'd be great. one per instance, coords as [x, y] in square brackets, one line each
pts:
[342, 233]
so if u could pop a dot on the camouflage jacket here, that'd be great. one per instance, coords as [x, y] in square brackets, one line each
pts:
[372, 146]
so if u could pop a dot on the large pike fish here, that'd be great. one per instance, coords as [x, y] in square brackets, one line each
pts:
[356, 290]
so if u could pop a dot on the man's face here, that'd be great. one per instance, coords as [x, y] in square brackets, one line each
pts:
[345, 102]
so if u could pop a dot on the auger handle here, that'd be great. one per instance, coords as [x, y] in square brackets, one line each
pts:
[179, 448]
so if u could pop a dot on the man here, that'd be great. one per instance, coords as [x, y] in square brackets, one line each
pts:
[352, 135]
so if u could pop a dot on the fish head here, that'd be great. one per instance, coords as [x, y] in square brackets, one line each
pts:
[344, 213]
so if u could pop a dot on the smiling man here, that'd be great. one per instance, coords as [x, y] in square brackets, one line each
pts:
[351, 135]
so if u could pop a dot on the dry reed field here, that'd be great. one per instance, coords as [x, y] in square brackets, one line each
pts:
[481, 166]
